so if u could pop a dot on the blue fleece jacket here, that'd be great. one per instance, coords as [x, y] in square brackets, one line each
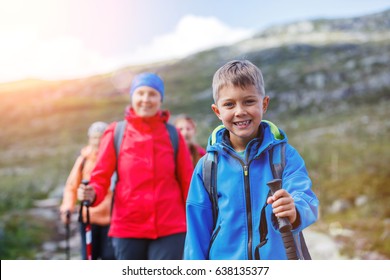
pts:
[242, 192]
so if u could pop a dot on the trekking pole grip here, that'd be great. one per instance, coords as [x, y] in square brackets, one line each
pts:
[284, 225]
[67, 215]
[86, 203]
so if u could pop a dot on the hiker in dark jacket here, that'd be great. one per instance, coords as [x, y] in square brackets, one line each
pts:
[242, 145]
[148, 215]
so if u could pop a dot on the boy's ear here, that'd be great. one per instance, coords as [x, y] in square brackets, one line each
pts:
[216, 110]
[265, 103]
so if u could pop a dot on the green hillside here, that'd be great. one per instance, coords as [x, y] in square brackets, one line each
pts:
[330, 92]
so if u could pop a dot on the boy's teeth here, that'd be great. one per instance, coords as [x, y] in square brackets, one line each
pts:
[242, 123]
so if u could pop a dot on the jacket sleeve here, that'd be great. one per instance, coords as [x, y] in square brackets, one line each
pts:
[184, 167]
[199, 218]
[297, 182]
[105, 165]
[72, 183]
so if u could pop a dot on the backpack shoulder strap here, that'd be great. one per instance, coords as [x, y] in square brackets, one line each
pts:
[82, 164]
[209, 176]
[118, 136]
[174, 137]
[277, 159]
[278, 162]
[119, 131]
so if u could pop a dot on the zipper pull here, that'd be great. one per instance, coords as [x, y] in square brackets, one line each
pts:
[245, 170]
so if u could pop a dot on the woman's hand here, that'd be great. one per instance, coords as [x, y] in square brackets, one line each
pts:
[86, 193]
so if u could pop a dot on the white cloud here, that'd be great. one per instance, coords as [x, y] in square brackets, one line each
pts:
[23, 54]
[192, 34]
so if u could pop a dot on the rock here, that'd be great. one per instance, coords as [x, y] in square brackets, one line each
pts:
[47, 203]
[322, 246]
[50, 246]
[361, 200]
[339, 205]
[336, 229]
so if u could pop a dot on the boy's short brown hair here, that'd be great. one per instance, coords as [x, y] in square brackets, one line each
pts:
[238, 73]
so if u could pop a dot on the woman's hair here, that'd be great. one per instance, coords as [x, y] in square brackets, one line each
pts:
[98, 127]
[186, 118]
[195, 156]
[238, 73]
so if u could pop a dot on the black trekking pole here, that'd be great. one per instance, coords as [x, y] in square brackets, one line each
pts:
[67, 229]
[284, 225]
[88, 229]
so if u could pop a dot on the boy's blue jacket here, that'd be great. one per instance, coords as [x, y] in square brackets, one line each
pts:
[242, 193]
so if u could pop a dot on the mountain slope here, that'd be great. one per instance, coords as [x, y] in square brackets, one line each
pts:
[329, 86]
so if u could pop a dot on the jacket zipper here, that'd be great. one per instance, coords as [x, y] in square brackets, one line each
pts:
[249, 210]
[247, 202]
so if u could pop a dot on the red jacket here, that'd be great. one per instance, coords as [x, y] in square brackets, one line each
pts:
[150, 195]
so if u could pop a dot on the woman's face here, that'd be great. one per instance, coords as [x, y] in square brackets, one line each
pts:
[94, 139]
[186, 129]
[146, 101]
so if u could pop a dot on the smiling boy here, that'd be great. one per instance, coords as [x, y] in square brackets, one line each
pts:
[242, 146]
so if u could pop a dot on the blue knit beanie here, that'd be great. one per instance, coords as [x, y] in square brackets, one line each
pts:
[150, 80]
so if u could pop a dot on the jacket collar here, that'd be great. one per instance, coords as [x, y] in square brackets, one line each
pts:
[269, 134]
[132, 117]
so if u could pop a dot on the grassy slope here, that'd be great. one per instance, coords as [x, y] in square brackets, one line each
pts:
[347, 154]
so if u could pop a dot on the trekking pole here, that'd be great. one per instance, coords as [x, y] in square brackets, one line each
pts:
[284, 225]
[88, 230]
[67, 228]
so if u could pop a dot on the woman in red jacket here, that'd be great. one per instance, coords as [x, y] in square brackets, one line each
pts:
[148, 216]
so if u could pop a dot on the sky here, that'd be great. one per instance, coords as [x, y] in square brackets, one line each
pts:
[61, 39]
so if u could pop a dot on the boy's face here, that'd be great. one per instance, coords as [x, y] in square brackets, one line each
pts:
[241, 111]
[146, 101]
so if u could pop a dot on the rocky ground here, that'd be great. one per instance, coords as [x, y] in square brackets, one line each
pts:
[62, 237]
[322, 246]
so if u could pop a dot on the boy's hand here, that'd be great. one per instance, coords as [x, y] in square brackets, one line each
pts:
[283, 205]
[86, 193]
